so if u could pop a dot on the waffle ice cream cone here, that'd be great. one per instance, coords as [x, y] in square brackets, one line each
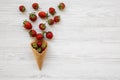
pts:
[39, 56]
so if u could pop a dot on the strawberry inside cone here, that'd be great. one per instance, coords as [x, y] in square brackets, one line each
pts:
[39, 46]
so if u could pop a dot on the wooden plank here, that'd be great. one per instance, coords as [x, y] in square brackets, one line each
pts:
[86, 44]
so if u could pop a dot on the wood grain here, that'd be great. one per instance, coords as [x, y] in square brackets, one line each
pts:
[86, 44]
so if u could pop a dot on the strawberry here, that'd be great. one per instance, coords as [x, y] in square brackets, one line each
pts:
[61, 6]
[35, 6]
[27, 25]
[50, 21]
[34, 45]
[39, 50]
[39, 36]
[56, 18]
[33, 33]
[42, 26]
[43, 46]
[22, 8]
[33, 17]
[39, 43]
[49, 35]
[43, 14]
[52, 11]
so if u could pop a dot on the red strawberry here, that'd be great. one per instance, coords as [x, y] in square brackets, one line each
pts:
[35, 6]
[33, 17]
[39, 36]
[22, 8]
[42, 26]
[43, 14]
[52, 11]
[56, 18]
[49, 35]
[50, 21]
[39, 43]
[61, 6]
[33, 33]
[27, 25]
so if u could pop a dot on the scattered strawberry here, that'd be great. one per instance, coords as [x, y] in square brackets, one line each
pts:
[50, 21]
[22, 8]
[49, 35]
[43, 46]
[52, 11]
[56, 18]
[43, 14]
[61, 6]
[35, 6]
[33, 33]
[39, 36]
[39, 50]
[27, 25]
[33, 17]
[34, 45]
[39, 43]
[42, 26]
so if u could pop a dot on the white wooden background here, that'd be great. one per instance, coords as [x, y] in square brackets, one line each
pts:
[86, 44]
